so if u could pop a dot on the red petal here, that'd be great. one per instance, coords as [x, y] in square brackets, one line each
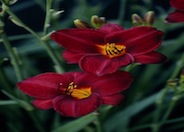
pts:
[152, 57]
[113, 100]
[44, 86]
[72, 57]
[111, 84]
[176, 16]
[85, 79]
[108, 84]
[177, 4]
[74, 108]
[42, 104]
[82, 40]
[100, 65]
[110, 27]
[138, 40]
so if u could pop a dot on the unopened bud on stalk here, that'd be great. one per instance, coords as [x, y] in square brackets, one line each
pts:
[81, 24]
[137, 20]
[149, 18]
[97, 21]
[56, 14]
[16, 22]
[172, 82]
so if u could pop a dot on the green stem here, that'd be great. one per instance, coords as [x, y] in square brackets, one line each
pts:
[8, 102]
[18, 37]
[169, 109]
[122, 11]
[53, 55]
[13, 57]
[48, 16]
[181, 119]
[22, 103]
[174, 120]
[156, 116]
[171, 105]
[98, 125]
[159, 103]
[179, 66]
[44, 43]
[4, 81]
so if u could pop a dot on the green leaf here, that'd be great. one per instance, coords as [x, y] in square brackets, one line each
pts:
[77, 124]
[7, 102]
[22, 103]
[122, 118]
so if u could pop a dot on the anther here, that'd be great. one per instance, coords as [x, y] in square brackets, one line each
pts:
[112, 49]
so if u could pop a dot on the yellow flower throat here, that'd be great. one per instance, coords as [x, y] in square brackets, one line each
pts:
[74, 91]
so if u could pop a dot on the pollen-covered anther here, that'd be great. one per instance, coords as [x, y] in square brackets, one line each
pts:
[76, 92]
[112, 49]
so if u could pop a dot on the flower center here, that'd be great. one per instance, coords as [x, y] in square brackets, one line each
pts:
[112, 50]
[74, 91]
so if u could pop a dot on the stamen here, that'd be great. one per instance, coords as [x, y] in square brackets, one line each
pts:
[74, 91]
[112, 50]
[70, 88]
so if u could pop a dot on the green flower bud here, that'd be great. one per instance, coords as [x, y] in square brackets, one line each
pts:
[149, 18]
[137, 20]
[173, 82]
[16, 22]
[81, 24]
[56, 14]
[97, 21]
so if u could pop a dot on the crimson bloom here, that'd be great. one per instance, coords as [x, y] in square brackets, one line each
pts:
[104, 50]
[178, 14]
[75, 93]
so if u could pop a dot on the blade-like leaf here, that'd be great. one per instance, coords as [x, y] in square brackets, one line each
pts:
[76, 125]
[122, 118]
[7, 102]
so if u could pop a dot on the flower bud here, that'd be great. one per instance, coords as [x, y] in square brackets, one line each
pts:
[172, 82]
[149, 18]
[97, 21]
[16, 22]
[81, 24]
[137, 20]
[56, 14]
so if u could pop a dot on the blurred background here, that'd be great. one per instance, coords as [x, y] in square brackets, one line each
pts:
[145, 104]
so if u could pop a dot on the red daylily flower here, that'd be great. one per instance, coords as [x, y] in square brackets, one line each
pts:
[178, 14]
[105, 50]
[75, 93]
